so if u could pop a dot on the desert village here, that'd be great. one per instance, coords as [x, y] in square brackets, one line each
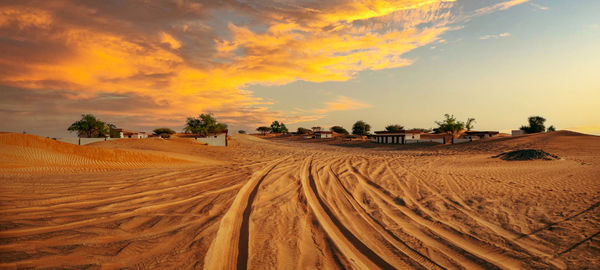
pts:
[320, 199]
[398, 136]
[150, 134]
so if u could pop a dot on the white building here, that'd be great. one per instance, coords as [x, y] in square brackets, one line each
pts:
[123, 133]
[395, 137]
[215, 139]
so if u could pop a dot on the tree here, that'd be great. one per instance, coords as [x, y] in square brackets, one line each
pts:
[450, 125]
[241, 131]
[89, 127]
[277, 127]
[164, 132]
[283, 128]
[263, 129]
[536, 125]
[394, 128]
[203, 125]
[302, 131]
[551, 129]
[339, 129]
[361, 128]
[112, 131]
[469, 124]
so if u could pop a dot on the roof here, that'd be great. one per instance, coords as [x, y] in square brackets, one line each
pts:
[225, 131]
[401, 132]
[126, 131]
[326, 132]
[480, 132]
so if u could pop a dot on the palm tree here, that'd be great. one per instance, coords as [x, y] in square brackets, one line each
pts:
[469, 124]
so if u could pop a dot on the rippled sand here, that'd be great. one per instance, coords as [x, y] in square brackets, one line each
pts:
[281, 204]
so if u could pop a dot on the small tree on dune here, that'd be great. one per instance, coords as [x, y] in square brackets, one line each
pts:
[394, 128]
[164, 132]
[90, 127]
[361, 128]
[263, 129]
[241, 131]
[339, 129]
[536, 125]
[203, 125]
[551, 129]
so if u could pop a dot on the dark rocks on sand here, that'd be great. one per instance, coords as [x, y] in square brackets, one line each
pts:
[526, 154]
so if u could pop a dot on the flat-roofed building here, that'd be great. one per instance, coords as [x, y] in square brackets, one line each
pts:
[479, 135]
[395, 137]
[323, 134]
[124, 133]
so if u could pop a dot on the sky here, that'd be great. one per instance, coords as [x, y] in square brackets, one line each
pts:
[142, 65]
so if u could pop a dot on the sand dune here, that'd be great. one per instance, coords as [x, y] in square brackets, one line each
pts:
[22, 152]
[261, 204]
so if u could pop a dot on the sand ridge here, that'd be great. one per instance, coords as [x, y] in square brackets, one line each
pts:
[32, 153]
[276, 204]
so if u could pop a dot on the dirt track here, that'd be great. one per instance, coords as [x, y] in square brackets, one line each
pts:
[275, 205]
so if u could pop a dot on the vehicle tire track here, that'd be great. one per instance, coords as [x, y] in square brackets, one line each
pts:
[229, 249]
[357, 253]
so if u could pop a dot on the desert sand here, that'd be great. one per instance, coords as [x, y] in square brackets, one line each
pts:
[284, 204]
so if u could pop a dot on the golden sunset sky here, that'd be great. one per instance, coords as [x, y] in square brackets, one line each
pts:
[148, 64]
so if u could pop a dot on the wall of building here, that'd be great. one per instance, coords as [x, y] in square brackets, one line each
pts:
[323, 135]
[413, 136]
[517, 132]
[214, 140]
[84, 141]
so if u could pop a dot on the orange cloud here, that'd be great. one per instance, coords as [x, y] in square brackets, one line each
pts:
[23, 18]
[168, 39]
[189, 62]
[342, 103]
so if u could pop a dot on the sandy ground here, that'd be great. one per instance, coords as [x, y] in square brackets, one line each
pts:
[284, 204]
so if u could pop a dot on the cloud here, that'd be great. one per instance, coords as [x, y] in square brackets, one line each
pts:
[168, 39]
[538, 6]
[499, 6]
[498, 36]
[342, 103]
[183, 57]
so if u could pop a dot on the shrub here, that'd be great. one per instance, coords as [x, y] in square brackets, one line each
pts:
[394, 128]
[338, 129]
[164, 132]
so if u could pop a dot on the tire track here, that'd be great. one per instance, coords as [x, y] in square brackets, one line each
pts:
[375, 225]
[476, 249]
[229, 249]
[532, 248]
[357, 253]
